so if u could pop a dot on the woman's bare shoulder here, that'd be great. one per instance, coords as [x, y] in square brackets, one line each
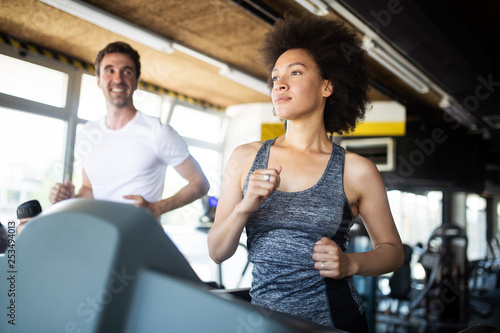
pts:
[246, 150]
[241, 161]
[359, 166]
[243, 155]
[361, 178]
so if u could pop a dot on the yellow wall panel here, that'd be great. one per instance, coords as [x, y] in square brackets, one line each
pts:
[379, 129]
[270, 131]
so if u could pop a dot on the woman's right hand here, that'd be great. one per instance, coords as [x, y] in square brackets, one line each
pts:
[261, 185]
[233, 210]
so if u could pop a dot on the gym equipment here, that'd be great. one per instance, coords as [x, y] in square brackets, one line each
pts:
[91, 266]
[446, 293]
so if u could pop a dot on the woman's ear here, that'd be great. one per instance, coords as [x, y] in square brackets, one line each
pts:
[328, 88]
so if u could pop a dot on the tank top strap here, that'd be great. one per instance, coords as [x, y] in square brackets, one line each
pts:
[338, 158]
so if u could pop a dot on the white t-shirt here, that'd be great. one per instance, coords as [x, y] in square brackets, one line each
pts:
[131, 160]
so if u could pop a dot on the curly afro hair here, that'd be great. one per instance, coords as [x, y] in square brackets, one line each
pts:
[340, 57]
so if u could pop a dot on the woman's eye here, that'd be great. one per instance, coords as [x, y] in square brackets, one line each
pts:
[274, 78]
[295, 73]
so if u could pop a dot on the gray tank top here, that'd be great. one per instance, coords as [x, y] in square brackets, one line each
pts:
[281, 237]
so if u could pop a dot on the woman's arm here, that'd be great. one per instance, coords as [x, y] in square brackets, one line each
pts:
[232, 209]
[367, 195]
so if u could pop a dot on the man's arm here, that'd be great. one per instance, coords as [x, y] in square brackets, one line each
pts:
[66, 190]
[197, 187]
[86, 189]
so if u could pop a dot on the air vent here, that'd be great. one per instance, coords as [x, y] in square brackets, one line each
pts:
[379, 150]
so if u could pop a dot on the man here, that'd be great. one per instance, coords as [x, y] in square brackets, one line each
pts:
[125, 154]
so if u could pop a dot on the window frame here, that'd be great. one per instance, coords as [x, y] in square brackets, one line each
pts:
[68, 113]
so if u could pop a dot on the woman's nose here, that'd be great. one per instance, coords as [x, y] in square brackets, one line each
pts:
[280, 84]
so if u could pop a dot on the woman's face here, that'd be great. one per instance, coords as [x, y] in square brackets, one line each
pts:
[298, 88]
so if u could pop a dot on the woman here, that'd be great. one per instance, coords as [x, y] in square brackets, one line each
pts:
[298, 195]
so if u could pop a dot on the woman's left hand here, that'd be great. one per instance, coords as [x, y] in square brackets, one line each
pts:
[331, 261]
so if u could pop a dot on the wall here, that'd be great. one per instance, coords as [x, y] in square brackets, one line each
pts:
[245, 124]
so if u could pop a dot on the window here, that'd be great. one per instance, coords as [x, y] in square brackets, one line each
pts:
[211, 164]
[476, 227]
[29, 81]
[148, 103]
[31, 158]
[416, 216]
[91, 106]
[498, 218]
[197, 125]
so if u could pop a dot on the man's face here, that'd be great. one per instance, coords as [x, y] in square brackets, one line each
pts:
[117, 79]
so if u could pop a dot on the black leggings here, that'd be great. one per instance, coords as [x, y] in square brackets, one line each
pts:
[358, 325]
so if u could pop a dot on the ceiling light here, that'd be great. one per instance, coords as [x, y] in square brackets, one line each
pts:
[226, 71]
[198, 55]
[112, 23]
[348, 16]
[314, 6]
[395, 66]
[457, 112]
[383, 52]
[379, 51]
[126, 29]
[245, 79]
